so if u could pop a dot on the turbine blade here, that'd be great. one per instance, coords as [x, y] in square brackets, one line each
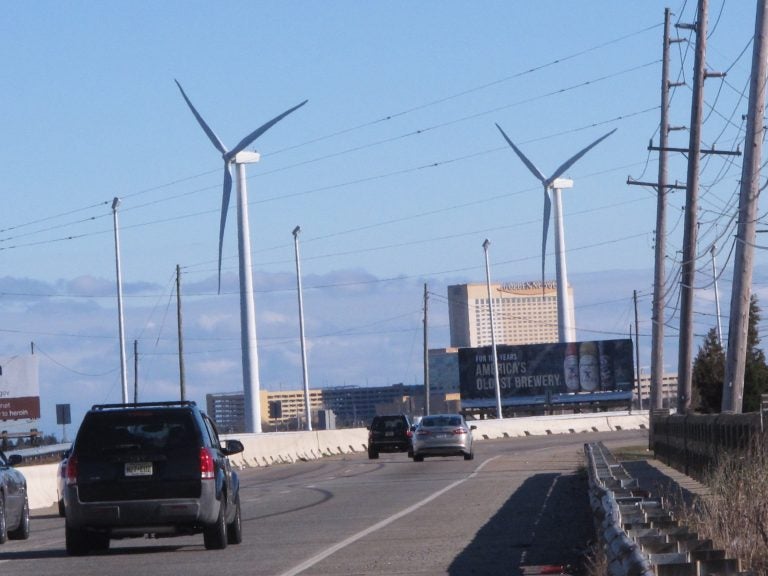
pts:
[259, 131]
[535, 171]
[573, 159]
[224, 209]
[547, 211]
[211, 136]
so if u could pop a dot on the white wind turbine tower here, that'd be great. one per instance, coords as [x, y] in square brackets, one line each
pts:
[240, 157]
[565, 316]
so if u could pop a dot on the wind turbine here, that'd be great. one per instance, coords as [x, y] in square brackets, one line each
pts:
[240, 157]
[565, 317]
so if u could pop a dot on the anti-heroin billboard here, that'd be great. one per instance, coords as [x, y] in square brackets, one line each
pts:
[570, 371]
[19, 388]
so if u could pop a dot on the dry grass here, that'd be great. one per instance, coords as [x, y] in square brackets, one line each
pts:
[595, 561]
[735, 514]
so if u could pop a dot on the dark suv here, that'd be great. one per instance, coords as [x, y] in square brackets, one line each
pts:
[154, 469]
[389, 434]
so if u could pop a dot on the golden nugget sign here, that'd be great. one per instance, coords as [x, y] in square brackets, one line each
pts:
[19, 388]
[528, 286]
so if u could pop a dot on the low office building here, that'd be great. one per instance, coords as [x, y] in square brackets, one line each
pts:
[352, 406]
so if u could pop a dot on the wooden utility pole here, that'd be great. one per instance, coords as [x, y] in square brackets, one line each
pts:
[659, 267]
[736, 355]
[426, 354]
[684, 364]
[182, 384]
[662, 189]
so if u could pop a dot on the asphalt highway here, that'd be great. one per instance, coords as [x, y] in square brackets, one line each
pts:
[521, 502]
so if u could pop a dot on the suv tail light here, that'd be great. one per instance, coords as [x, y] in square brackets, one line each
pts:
[207, 464]
[70, 471]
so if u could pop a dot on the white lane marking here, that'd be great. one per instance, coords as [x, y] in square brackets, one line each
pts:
[379, 525]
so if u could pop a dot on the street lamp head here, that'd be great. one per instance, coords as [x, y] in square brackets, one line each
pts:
[115, 203]
[296, 231]
[486, 244]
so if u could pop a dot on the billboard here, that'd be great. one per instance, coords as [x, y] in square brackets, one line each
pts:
[562, 372]
[19, 388]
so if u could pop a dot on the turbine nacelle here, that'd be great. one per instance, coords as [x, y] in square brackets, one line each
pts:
[246, 157]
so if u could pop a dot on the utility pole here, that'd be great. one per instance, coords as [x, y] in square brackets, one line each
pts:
[182, 383]
[426, 353]
[691, 214]
[120, 320]
[637, 355]
[302, 338]
[499, 412]
[135, 371]
[735, 360]
[659, 279]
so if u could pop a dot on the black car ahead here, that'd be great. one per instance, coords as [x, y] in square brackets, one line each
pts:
[14, 501]
[391, 433]
[156, 469]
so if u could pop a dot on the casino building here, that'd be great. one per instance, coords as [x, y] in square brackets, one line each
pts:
[523, 313]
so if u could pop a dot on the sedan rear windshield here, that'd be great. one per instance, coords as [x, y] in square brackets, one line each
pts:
[429, 421]
[111, 432]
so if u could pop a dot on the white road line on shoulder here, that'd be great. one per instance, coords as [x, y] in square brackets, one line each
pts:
[379, 525]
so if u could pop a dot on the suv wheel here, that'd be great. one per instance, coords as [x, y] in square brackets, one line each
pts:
[77, 541]
[215, 535]
[22, 531]
[235, 528]
[373, 454]
[3, 521]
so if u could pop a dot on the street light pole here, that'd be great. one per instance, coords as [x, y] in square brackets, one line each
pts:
[121, 328]
[486, 244]
[305, 373]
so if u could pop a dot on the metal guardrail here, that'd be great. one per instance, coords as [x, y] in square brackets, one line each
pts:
[640, 535]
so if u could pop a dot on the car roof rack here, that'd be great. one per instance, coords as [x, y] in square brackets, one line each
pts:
[166, 404]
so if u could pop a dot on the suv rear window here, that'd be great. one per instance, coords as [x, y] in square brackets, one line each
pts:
[393, 423]
[138, 431]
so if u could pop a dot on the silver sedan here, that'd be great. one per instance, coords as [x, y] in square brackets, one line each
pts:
[443, 435]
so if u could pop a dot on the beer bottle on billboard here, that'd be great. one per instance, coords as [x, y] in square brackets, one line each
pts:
[606, 365]
[589, 375]
[571, 367]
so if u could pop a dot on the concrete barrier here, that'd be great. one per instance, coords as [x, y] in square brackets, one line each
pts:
[288, 447]
[41, 485]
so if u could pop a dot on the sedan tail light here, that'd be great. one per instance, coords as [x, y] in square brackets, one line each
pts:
[207, 464]
[459, 431]
[422, 432]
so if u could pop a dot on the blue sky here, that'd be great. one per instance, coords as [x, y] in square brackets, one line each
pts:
[394, 170]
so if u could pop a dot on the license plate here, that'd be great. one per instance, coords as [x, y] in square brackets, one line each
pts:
[138, 468]
[389, 433]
